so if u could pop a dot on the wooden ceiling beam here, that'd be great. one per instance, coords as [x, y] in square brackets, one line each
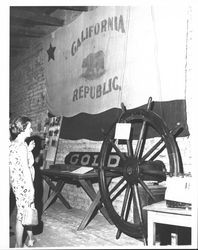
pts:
[21, 34]
[74, 8]
[18, 43]
[36, 18]
[18, 48]
[26, 32]
[49, 9]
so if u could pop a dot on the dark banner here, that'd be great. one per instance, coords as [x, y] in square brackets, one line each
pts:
[93, 127]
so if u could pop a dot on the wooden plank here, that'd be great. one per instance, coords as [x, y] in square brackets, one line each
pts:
[17, 30]
[35, 18]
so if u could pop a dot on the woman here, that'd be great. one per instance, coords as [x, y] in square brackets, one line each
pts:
[21, 173]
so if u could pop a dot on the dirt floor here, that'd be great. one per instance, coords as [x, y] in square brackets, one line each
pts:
[58, 228]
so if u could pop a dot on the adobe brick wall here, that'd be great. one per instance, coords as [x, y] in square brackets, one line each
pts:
[28, 90]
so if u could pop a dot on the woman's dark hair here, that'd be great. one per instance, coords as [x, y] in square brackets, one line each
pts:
[18, 125]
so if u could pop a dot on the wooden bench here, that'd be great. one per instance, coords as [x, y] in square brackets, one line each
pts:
[65, 173]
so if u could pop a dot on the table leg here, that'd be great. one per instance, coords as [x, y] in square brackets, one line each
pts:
[96, 202]
[91, 210]
[151, 229]
[46, 191]
[56, 192]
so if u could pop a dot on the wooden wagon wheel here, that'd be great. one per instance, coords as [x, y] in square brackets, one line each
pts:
[142, 160]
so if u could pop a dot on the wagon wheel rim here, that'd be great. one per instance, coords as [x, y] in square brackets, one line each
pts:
[138, 164]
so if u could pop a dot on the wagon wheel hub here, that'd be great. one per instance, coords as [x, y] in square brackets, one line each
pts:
[131, 170]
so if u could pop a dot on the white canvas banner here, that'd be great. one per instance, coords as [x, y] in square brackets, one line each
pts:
[116, 54]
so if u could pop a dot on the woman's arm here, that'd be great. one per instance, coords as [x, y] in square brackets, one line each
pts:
[23, 152]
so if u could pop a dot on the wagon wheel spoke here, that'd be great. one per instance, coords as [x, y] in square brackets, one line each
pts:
[129, 147]
[147, 190]
[174, 131]
[125, 207]
[157, 153]
[126, 196]
[122, 156]
[140, 143]
[151, 150]
[129, 203]
[119, 192]
[139, 208]
[138, 203]
[118, 184]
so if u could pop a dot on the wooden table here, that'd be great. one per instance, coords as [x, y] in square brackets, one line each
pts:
[160, 213]
[86, 180]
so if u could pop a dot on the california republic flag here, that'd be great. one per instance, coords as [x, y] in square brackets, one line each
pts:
[112, 55]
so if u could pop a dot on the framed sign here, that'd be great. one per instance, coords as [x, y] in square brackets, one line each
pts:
[52, 132]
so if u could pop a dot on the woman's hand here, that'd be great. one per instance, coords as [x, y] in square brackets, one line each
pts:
[31, 145]
[32, 205]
